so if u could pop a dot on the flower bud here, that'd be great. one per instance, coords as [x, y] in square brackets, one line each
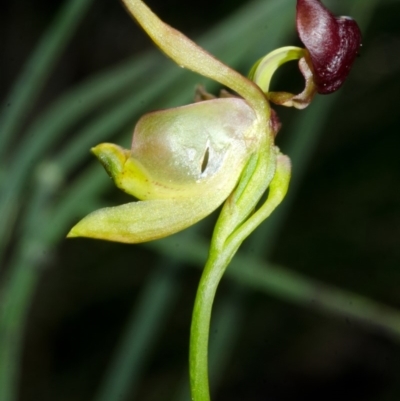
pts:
[332, 43]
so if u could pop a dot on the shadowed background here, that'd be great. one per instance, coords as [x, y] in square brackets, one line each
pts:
[308, 308]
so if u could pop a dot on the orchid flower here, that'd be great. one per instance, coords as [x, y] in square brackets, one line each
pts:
[186, 161]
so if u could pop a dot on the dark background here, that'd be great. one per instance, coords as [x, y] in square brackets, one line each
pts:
[343, 229]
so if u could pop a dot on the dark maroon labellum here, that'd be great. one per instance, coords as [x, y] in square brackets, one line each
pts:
[333, 43]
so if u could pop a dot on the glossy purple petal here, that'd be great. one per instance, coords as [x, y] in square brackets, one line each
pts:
[332, 42]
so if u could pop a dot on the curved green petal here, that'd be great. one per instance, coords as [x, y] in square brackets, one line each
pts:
[263, 70]
[189, 55]
[149, 220]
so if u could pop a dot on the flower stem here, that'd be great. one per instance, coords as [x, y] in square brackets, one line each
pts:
[200, 328]
[218, 260]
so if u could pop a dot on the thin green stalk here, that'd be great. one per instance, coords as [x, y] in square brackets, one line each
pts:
[228, 235]
[226, 321]
[46, 130]
[289, 286]
[200, 328]
[18, 290]
[143, 328]
[33, 77]
[15, 308]
[213, 272]
[74, 106]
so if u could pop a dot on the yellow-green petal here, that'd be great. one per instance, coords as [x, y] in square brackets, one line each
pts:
[149, 220]
[189, 55]
[263, 70]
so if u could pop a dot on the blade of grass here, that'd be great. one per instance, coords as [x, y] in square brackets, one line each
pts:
[19, 288]
[289, 286]
[47, 129]
[110, 123]
[144, 327]
[33, 77]
[226, 324]
[74, 106]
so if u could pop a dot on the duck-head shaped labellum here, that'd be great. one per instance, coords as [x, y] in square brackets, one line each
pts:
[332, 43]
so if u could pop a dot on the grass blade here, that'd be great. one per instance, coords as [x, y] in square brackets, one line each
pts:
[33, 77]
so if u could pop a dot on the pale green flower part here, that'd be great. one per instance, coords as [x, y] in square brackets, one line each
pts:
[184, 162]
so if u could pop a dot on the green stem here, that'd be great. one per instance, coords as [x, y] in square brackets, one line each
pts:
[18, 289]
[38, 68]
[233, 213]
[15, 308]
[215, 267]
[200, 328]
